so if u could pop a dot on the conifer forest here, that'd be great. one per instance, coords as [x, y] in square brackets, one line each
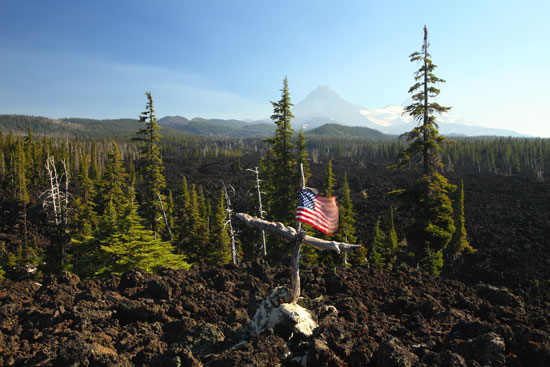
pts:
[123, 248]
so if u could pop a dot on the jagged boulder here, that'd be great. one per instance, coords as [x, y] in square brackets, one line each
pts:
[487, 349]
[498, 296]
[392, 353]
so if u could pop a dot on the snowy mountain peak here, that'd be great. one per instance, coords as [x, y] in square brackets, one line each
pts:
[323, 105]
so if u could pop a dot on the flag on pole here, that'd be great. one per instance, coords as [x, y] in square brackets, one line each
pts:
[319, 211]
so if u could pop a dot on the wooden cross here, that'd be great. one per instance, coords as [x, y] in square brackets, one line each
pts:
[289, 234]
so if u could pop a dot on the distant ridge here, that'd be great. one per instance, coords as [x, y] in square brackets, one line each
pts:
[173, 122]
[340, 131]
[218, 127]
[20, 124]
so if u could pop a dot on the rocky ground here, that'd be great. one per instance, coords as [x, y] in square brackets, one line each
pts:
[491, 308]
[199, 317]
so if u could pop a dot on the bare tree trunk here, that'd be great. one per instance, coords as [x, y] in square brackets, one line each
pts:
[64, 230]
[54, 188]
[232, 234]
[295, 271]
[60, 206]
[260, 208]
[165, 218]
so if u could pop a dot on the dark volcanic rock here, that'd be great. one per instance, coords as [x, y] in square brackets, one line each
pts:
[201, 316]
[392, 353]
[486, 349]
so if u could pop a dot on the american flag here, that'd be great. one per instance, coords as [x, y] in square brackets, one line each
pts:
[319, 211]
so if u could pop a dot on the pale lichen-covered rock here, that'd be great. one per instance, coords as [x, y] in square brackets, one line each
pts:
[271, 313]
[303, 323]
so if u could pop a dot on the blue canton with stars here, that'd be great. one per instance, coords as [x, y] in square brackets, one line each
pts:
[307, 199]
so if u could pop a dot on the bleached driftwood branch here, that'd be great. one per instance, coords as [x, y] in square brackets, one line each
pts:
[290, 234]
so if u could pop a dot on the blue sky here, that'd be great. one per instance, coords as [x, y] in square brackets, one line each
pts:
[227, 59]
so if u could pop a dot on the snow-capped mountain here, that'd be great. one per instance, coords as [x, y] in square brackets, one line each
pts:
[323, 105]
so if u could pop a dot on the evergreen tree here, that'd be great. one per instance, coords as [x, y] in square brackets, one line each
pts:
[281, 165]
[378, 238]
[85, 218]
[170, 210]
[329, 188]
[21, 193]
[346, 227]
[154, 180]
[113, 184]
[94, 173]
[182, 229]
[196, 243]
[432, 227]
[280, 176]
[329, 258]
[391, 244]
[425, 140]
[20, 188]
[460, 243]
[219, 251]
[385, 246]
[120, 242]
[132, 246]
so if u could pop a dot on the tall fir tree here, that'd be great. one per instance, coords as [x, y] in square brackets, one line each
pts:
[154, 181]
[280, 174]
[281, 167]
[432, 227]
[425, 140]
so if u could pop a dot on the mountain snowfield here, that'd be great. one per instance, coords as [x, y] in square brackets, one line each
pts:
[323, 105]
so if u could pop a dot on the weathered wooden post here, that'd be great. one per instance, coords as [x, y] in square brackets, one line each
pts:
[289, 234]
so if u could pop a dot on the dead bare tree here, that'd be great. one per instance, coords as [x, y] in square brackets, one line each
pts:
[228, 217]
[165, 217]
[538, 170]
[261, 211]
[56, 201]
